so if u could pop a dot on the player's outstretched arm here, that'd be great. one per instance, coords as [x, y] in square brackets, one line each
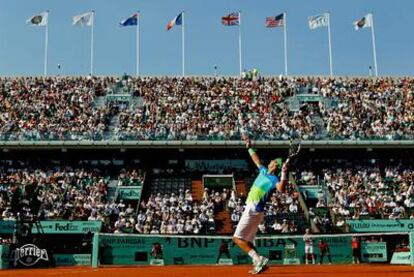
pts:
[252, 153]
[284, 178]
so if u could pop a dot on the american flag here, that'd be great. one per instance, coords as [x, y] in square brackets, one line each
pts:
[230, 19]
[275, 21]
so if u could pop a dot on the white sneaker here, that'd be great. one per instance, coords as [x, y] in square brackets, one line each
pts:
[260, 266]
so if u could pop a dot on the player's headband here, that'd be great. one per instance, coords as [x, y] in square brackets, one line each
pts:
[279, 162]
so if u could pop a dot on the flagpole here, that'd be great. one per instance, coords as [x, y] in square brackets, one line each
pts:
[138, 41]
[183, 44]
[92, 30]
[285, 42]
[240, 46]
[374, 49]
[330, 45]
[46, 44]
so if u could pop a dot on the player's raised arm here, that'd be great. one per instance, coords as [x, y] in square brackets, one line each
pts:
[284, 177]
[252, 153]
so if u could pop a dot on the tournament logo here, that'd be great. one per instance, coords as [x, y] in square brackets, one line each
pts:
[29, 255]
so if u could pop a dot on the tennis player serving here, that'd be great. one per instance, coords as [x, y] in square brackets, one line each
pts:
[263, 187]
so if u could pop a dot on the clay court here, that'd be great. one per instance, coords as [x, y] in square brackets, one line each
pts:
[210, 271]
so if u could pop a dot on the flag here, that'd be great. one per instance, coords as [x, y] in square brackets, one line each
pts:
[178, 20]
[130, 21]
[275, 21]
[317, 21]
[38, 19]
[231, 19]
[365, 22]
[85, 19]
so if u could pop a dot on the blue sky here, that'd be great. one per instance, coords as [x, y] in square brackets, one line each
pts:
[207, 41]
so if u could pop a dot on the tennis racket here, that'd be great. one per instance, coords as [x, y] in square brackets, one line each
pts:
[294, 149]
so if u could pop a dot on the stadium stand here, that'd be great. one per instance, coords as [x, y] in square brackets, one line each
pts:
[205, 108]
[371, 189]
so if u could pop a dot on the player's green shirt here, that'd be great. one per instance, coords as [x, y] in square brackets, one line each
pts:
[263, 187]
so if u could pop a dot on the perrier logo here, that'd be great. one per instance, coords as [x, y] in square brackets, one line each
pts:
[29, 255]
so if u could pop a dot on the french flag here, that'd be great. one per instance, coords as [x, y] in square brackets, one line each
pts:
[178, 20]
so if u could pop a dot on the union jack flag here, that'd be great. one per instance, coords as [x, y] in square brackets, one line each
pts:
[231, 19]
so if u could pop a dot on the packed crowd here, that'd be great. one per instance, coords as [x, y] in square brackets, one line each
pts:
[67, 193]
[363, 190]
[52, 108]
[210, 108]
[174, 213]
[79, 194]
[366, 192]
[381, 108]
[133, 177]
[194, 108]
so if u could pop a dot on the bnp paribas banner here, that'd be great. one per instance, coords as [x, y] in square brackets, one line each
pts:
[56, 227]
[134, 249]
[383, 225]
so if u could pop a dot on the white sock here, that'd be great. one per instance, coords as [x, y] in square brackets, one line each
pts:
[253, 254]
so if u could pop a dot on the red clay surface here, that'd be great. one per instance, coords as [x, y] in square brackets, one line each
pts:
[222, 271]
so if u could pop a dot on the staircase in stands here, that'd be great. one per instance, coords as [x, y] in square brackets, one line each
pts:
[241, 188]
[197, 189]
[223, 218]
[224, 225]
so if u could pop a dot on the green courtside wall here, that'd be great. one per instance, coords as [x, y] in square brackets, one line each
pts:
[4, 254]
[412, 247]
[382, 225]
[136, 249]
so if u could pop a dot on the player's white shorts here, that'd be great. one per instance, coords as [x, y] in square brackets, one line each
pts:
[248, 224]
[308, 249]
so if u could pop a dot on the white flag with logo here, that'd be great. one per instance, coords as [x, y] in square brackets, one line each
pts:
[365, 22]
[38, 19]
[85, 19]
[317, 21]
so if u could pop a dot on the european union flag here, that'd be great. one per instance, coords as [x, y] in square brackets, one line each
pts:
[130, 21]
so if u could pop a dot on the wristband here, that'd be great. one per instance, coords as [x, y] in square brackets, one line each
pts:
[251, 151]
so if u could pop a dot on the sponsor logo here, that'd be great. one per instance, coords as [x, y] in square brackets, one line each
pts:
[65, 227]
[29, 255]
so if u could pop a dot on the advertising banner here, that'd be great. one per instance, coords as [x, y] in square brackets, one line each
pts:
[383, 225]
[56, 227]
[30, 255]
[373, 251]
[130, 193]
[401, 258]
[129, 250]
[73, 259]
